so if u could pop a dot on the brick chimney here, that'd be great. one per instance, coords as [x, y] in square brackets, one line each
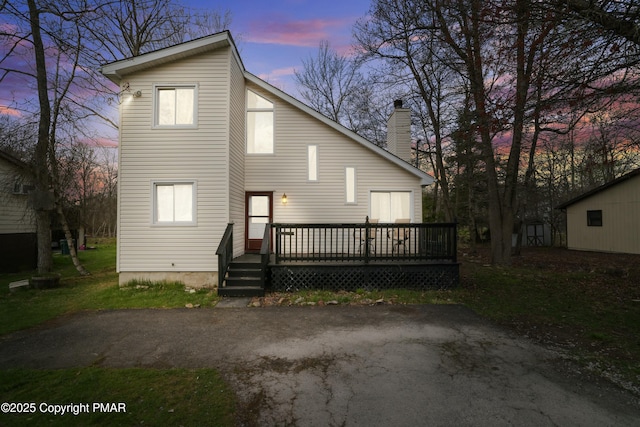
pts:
[399, 131]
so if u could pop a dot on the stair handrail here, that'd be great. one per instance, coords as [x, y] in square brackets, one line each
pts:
[225, 253]
[265, 253]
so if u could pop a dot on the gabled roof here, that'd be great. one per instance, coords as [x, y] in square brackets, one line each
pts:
[115, 71]
[14, 161]
[597, 190]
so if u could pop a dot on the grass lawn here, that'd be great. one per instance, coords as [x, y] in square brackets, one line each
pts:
[152, 396]
[587, 304]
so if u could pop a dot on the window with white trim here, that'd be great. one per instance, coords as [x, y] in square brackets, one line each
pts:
[312, 162]
[259, 124]
[350, 184]
[175, 106]
[174, 203]
[390, 206]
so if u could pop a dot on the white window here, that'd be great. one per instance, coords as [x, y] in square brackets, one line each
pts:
[312, 162]
[350, 184]
[174, 203]
[390, 206]
[175, 106]
[259, 124]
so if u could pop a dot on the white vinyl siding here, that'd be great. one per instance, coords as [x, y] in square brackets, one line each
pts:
[175, 154]
[312, 162]
[324, 201]
[236, 157]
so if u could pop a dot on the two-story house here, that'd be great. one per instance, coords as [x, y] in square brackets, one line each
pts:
[204, 143]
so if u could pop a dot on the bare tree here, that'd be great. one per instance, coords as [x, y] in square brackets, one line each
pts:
[332, 84]
[401, 35]
[620, 17]
[126, 28]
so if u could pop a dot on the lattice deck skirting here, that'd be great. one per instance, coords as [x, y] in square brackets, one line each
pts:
[292, 278]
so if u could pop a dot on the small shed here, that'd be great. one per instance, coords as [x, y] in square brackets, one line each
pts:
[607, 218]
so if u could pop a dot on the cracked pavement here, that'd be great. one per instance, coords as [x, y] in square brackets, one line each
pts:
[435, 365]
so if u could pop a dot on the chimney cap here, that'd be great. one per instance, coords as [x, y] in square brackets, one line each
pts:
[397, 103]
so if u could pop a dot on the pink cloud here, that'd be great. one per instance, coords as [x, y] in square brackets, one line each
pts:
[304, 33]
[280, 72]
[8, 111]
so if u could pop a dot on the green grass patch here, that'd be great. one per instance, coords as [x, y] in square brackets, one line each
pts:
[100, 290]
[586, 312]
[150, 397]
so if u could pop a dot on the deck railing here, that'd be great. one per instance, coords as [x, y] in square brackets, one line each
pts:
[365, 242]
[225, 253]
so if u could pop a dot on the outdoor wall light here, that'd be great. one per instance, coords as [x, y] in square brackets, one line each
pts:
[284, 199]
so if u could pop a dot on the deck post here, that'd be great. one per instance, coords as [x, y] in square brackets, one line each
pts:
[366, 240]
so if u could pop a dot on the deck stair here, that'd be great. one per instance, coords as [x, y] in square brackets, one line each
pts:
[244, 278]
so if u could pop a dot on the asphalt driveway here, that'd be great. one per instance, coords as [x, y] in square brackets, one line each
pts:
[341, 366]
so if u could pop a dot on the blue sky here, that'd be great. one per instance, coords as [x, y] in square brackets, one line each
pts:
[275, 36]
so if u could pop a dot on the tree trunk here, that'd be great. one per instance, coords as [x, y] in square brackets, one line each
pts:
[43, 232]
[72, 247]
[40, 164]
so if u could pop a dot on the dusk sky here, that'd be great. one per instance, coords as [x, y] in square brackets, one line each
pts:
[274, 37]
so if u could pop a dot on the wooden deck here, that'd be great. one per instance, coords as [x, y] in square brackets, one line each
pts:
[334, 257]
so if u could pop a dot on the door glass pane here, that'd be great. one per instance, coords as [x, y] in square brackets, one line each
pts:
[259, 206]
[400, 206]
[256, 227]
[380, 206]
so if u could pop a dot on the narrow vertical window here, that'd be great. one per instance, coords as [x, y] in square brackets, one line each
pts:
[259, 124]
[350, 184]
[312, 162]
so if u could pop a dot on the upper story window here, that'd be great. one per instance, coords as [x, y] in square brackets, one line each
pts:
[175, 106]
[259, 124]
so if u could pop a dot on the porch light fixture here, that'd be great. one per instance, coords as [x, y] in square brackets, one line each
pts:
[284, 198]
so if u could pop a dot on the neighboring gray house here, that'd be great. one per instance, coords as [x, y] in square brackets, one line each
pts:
[204, 143]
[18, 242]
[606, 219]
